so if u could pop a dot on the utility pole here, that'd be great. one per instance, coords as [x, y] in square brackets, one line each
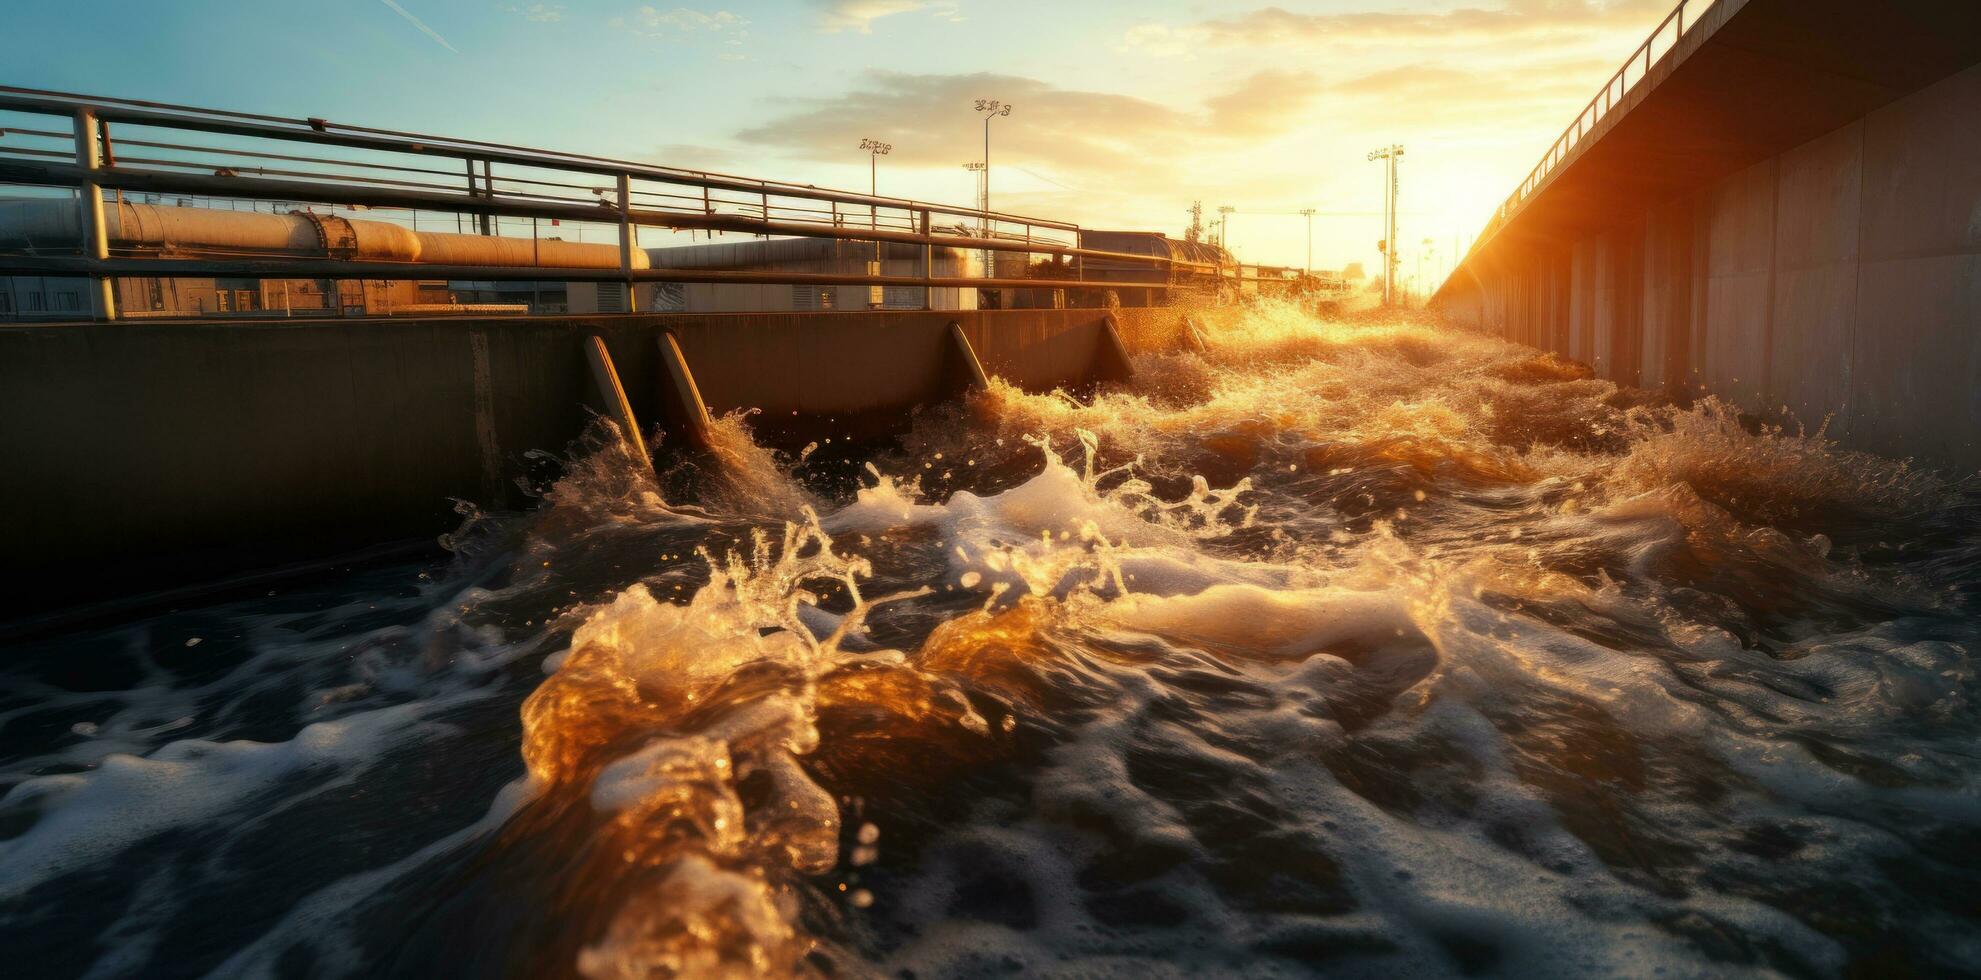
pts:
[1389, 155]
[1196, 230]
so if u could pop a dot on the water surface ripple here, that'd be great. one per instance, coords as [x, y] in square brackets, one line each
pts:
[1361, 649]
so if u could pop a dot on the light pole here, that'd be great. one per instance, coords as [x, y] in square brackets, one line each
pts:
[875, 150]
[1224, 213]
[1309, 215]
[1389, 155]
[991, 108]
[876, 296]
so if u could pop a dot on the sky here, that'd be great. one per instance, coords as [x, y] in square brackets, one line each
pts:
[1123, 113]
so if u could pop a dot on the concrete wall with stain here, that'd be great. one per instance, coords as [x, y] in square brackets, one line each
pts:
[151, 454]
[1836, 279]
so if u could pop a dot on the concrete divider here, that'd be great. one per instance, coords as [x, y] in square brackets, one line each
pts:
[1815, 247]
[139, 455]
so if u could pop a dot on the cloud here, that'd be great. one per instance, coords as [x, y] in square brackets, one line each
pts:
[1541, 92]
[1277, 26]
[1263, 104]
[859, 15]
[690, 156]
[683, 24]
[929, 119]
[682, 20]
[415, 21]
[542, 13]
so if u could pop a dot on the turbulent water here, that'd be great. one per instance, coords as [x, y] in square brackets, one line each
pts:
[1356, 648]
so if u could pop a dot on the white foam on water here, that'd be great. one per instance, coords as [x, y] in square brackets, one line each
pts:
[1359, 648]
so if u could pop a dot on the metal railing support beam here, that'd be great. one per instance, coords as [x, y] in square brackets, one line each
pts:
[629, 238]
[70, 265]
[262, 188]
[89, 200]
[355, 137]
[928, 263]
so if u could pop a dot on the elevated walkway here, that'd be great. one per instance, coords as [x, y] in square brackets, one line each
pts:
[1785, 211]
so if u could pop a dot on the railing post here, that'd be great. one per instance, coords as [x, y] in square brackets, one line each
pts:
[928, 264]
[628, 238]
[488, 193]
[89, 198]
[1080, 261]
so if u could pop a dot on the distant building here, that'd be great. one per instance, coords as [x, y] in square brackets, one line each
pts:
[793, 255]
[142, 297]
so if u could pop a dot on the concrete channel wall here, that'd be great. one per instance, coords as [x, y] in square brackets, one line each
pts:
[1838, 277]
[146, 456]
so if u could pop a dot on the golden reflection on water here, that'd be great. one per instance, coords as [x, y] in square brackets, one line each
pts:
[690, 746]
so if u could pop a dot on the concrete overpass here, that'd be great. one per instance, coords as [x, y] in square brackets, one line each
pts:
[1781, 207]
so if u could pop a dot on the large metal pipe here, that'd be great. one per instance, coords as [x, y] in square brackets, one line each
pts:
[167, 230]
[447, 248]
[259, 268]
[29, 173]
[319, 268]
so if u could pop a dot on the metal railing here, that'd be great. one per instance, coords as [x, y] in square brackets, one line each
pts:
[116, 146]
[1672, 30]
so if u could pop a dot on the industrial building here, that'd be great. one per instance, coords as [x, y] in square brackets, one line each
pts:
[788, 255]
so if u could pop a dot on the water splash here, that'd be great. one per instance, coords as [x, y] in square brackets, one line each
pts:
[1359, 646]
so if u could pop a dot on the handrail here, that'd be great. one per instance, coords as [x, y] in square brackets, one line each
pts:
[1599, 107]
[322, 131]
[252, 158]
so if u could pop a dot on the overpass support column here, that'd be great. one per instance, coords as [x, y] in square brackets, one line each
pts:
[89, 198]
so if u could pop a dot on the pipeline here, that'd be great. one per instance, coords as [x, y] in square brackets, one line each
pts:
[168, 230]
